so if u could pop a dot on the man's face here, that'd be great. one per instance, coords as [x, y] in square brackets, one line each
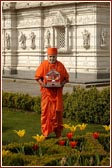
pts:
[52, 59]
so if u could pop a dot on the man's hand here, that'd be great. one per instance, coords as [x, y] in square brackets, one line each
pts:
[41, 83]
[63, 83]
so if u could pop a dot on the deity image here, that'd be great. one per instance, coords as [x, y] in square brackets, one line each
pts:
[32, 36]
[22, 40]
[86, 39]
[53, 79]
[7, 41]
[103, 38]
[48, 36]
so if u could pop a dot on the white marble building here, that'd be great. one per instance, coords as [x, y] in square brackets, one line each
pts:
[80, 31]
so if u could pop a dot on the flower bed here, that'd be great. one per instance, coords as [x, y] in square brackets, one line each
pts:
[87, 152]
[91, 149]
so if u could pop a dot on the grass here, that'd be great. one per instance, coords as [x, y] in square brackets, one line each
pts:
[17, 120]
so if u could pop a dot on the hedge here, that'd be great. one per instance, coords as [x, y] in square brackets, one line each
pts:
[92, 153]
[88, 106]
[21, 101]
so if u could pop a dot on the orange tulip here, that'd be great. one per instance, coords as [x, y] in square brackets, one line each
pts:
[62, 142]
[35, 147]
[69, 135]
[96, 135]
[73, 144]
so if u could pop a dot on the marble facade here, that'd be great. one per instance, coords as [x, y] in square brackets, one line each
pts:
[80, 31]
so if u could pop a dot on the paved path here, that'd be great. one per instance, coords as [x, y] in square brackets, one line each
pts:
[31, 87]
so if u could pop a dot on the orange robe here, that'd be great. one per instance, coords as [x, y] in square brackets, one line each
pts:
[51, 99]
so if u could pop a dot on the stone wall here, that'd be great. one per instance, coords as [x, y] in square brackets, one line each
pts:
[80, 31]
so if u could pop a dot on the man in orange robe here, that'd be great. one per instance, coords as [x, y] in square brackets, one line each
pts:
[51, 97]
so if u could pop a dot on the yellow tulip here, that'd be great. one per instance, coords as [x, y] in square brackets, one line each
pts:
[107, 128]
[82, 127]
[5, 152]
[39, 138]
[73, 128]
[66, 126]
[20, 133]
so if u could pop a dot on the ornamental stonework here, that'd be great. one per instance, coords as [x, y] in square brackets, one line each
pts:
[80, 31]
[29, 22]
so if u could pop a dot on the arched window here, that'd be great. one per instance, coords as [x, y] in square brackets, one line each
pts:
[60, 25]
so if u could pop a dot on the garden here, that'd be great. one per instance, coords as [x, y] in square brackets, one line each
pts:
[86, 131]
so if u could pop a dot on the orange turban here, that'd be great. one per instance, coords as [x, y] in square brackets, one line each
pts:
[52, 51]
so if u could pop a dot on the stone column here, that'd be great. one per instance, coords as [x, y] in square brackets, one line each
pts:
[41, 37]
[3, 43]
[14, 43]
[10, 40]
[52, 37]
[66, 38]
[55, 38]
[75, 41]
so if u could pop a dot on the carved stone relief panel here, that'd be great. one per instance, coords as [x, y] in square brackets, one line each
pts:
[86, 39]
[32, 37]
[59, 35]
[7, 23]
[22, 40]
[7, 41]
[72, 20]
[27, 4]
[103, 37]
[86, 19]
[47, 38]
[47, 21]
[28, 22]
[5, 5]
[60, 19]
[8, 5]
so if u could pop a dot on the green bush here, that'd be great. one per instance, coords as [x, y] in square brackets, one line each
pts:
[21, 101]
[37, 107]
[89, 106]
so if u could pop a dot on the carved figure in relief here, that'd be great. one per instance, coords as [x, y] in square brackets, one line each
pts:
[48, 36]
[7, 41]
[32, 36]
[103, 38]
[86, 39]
[22, 40]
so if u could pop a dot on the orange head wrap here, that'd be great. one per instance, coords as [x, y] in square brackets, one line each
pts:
[52, 51]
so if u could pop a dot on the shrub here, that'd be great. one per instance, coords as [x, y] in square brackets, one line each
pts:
[21, 101]
[88, 106]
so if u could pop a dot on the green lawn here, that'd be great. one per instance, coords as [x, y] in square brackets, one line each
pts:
[17, 120]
